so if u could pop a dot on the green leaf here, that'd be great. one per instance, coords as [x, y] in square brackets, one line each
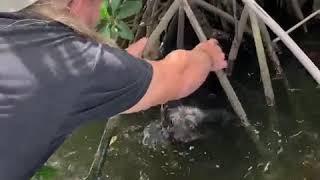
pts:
[124, 31]
[104, 11]
[129, 8]
[108, 6]
[114, 32]
[114, 6]
[106, 32]
[106, 2]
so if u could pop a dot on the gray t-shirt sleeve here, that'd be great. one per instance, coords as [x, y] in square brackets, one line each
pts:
[111, 81]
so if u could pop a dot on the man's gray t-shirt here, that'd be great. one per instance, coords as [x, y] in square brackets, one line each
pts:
[51, 81]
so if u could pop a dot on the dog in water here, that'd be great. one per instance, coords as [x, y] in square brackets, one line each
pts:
[187, 123]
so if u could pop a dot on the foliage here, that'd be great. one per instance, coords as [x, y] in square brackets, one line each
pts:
[113, 16]
[45, 173]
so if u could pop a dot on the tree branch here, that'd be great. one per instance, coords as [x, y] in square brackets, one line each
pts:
[237, 40]
[297, 10]
[264, 71]
[151, 50]
[101, 155]
[287, 40]
[181, 26]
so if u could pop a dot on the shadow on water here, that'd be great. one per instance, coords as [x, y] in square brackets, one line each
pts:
[227, 154]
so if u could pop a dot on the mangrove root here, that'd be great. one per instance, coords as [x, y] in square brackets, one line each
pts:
[264, 71]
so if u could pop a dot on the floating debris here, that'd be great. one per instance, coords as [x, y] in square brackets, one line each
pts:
[294, 90]
[248, 173]
[70, 154]
[278, 133]
[297, 134]
[113, 140]
[300, 121]
[260, 165]
[267, 167]
[143, 176]
[280, 150]
[126, 135]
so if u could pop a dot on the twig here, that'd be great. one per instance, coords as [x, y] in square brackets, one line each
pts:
[208, 30]
[264, 71]
[270, 50]
[151, 49]
[235, 103]
[163, 8]
[287, 40]
[297, 9]
[297, 134]
[218, 12]
[155, 8]
[237, 40]
[142, 25]
[151, 4]
[101, 154]
[299, 24]
[273, 55]
[153, 23]
[224, 23]
[181, 26]
[235, 18]
[136, 25]
[214, 10]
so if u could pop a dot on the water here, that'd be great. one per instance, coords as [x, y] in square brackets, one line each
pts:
[228, 154]
[291, 132]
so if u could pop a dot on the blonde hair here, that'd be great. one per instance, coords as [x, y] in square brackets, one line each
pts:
[58, 10]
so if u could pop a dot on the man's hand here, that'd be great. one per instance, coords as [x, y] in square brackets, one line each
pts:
[136, 49]
[179, 74]
[212, 48]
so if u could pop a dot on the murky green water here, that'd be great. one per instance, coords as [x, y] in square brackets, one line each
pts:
[229, 154]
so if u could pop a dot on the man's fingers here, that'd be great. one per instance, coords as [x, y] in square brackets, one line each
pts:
[143, 40]
[223, 56]
[214, 42]
[141, 43]
[219, 65]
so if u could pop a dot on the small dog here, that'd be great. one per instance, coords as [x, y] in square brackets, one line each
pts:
[185, 124]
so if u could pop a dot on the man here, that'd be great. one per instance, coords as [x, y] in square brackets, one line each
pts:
[56, 73]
